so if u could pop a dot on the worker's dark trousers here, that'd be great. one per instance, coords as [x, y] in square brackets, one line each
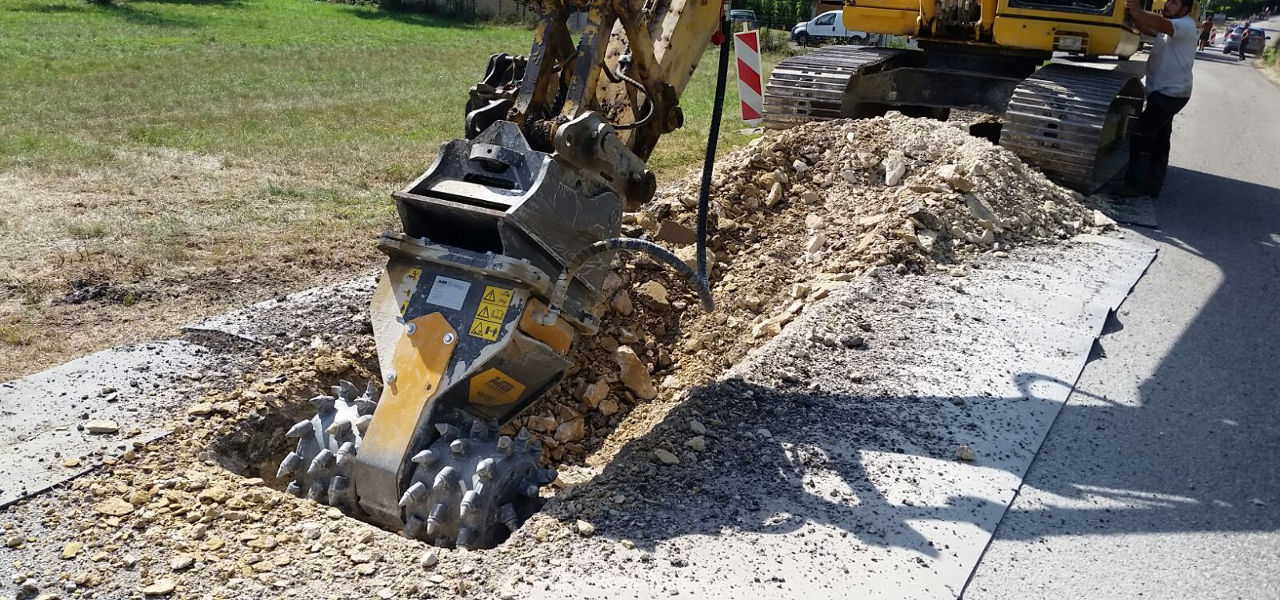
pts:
[1149, 144]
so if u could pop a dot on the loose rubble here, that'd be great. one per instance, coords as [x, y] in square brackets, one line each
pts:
[794, 216]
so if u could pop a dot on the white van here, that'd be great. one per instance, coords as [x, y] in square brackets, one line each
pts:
[827, 26]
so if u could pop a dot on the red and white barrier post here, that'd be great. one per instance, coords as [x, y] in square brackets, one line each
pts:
[750, 93]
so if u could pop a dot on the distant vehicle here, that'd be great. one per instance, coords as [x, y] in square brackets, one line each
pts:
[827, 26]
[743, 16]
[1254, 45]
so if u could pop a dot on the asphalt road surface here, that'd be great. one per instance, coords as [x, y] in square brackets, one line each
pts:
[1161, 477]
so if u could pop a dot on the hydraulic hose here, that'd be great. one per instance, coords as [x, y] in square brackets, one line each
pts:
[696, 279]
[713, 136]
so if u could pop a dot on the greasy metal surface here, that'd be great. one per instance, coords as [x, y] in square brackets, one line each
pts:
[589, 143]
[1072, 123]
[559, 335]
[471, 488]
[418, 364]
[496, 194]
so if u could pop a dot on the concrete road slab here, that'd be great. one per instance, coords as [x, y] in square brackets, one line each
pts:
[829, 480]
[43, 417]
[1159, 478]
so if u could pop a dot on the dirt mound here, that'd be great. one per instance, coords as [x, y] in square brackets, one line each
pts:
[794, 216]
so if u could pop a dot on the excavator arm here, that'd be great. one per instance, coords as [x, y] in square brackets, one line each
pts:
[486, 293]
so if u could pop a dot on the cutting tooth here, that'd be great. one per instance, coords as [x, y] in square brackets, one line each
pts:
[529, 490]
[413, 527]
[364, 406]
[485, 469]
[347, 390]
[435, 518]
[339, 487]
[300, 429]
[468, 503]
[339, 428]
[323, 460]
[288, 465]
[362, 423]
[318, 491]
[323, 403]
[294, 489]
[479, 430]
[444, 478]
[346, 452]
[371, 392]
[505, 445]
[535, 447]
[507, 515]
[546, 476]
[413, 494]
[425, 458]
[447, 432]
[522, 439]
[466, 536]
[458, 447]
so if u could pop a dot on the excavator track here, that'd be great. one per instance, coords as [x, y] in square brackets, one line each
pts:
[816, 86]
[1071, 122]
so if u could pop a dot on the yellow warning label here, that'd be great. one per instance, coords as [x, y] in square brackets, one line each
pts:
[411, 285]
[493, 387]
[489, 315]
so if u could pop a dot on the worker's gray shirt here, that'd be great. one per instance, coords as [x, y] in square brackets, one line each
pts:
[1172, 56]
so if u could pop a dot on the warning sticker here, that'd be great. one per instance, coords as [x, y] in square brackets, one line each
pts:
[449, 293]
[493, 387]
[408, 287]
[489, 315]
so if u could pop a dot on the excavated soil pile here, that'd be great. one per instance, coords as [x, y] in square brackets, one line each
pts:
[794, 216]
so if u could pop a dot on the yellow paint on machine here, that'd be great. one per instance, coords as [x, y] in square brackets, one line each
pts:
[494, 388]
[559, 335]
[489, 315]
[409, 285]
[418, 361]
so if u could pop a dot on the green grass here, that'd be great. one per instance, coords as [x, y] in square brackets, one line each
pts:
[214, 152]
[349, 91]
[315, 86]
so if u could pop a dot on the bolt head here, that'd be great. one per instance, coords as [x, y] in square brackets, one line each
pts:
[411, 328]
[449, 338]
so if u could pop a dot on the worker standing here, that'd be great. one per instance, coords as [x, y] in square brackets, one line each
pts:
[1244, 37]
[1168, 89]
[1206, 30]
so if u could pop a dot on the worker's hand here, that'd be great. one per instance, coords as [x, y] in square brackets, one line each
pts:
[1133, 5]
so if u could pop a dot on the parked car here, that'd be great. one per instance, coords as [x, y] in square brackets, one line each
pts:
[827, 26]
[743, 16]
[1254, 45]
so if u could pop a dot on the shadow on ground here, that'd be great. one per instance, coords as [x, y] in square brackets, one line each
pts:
[812, 466]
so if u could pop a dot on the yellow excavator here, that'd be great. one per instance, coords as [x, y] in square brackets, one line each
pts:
[1070, 120]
